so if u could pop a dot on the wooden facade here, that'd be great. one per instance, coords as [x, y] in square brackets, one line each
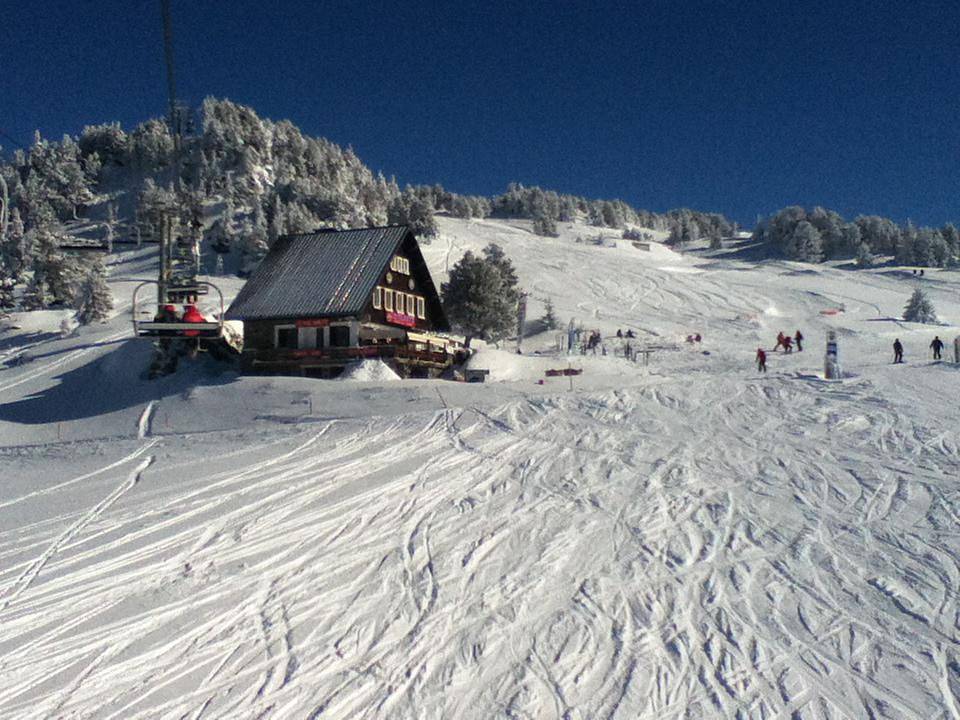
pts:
[397, 321]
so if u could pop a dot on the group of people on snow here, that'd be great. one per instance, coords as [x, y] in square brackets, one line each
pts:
[783, 341]
[786, 342]
[936, 345]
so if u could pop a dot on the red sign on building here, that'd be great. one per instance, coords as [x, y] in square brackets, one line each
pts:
[401, 319]
[310, 322]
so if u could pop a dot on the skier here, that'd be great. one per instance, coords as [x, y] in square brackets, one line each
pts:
[787, 344]
[936, 346]
[897, 351]
[761, 360]
[799, 339]
[619, 333]
[630, 333]
[780, 339]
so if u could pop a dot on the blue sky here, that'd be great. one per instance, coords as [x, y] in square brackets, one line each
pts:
[734, 107]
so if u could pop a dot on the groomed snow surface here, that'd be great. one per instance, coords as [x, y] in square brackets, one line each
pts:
[688, 539]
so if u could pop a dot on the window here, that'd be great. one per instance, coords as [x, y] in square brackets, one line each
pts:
[404, 266]
[377, 298]
[307, 337]
[285, 337]
[411, 304]
[339, 336]
[400, 265]
[421, 308]
[388, 299]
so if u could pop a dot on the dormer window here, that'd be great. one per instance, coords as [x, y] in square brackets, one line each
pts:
[400, 265]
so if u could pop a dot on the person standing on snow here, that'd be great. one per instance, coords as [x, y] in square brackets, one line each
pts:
[936, 346]
[787, 344]
[761, 360]
[780, 338]
[799, 340]
[897, 351]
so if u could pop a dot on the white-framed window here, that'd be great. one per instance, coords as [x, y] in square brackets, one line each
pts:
[388, 299]
[405, 264]
[411, 304]
[377, 298]
[421, 307]
[400, 265]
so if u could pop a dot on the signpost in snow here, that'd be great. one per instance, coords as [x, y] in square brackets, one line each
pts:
[831, 365]
[956, 349]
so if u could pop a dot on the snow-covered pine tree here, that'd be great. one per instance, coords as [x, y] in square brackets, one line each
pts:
[254, 241]
[906, 245]
[919, 308]
[55, 274]
[481, 295]
[218, 266]
[952, 238]
[805, 243]
[36, 296]
[13, 254]
[550, 319]
[415, 210]
[94, 300]
[545, 225]
[7, 285]
[864, 256]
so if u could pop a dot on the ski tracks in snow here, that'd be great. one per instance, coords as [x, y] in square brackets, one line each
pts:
[649, 552]
[24, 581]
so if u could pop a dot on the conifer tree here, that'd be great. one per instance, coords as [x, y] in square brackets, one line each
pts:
[545, 225]
[919, 308]
[481, 295]
[7, 285]
[94, 300]
[864, 256]
[35, 294]
[13, 254]
[550, 319]
[254, 245]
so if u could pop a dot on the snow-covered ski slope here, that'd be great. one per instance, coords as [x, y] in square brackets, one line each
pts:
[684, 540]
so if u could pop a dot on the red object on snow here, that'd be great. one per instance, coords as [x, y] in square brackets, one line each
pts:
[192, 315]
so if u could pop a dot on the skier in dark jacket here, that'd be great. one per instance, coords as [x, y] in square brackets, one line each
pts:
[761, 360]
[799, 340]
[897, 351]
[936, 346]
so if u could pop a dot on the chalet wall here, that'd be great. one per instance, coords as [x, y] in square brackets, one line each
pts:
[399, 282]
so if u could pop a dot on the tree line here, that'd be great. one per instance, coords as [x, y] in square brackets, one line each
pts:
[819, 234]
[239, 182]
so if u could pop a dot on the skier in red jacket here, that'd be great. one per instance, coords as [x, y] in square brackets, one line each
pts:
[761, 360]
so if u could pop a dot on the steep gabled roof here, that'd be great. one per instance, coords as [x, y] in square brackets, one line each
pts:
[319, 273]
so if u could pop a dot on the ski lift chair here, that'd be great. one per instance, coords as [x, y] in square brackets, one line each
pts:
[178, 295]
